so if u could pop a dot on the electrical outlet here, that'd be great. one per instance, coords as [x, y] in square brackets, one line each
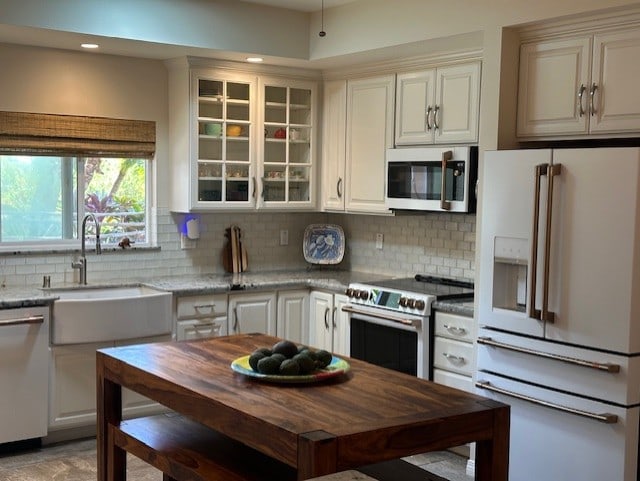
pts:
[379, 241]
[186, 243]
[284, 237]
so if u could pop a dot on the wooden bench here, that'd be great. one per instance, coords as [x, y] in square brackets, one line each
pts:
[188, 451]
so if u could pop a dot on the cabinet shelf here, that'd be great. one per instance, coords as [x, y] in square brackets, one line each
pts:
[283, 105]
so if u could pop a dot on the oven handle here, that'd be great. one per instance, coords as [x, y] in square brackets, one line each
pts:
[600, 366]
[386, 317]
[606, 418]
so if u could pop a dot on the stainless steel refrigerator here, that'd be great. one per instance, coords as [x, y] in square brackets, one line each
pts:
[559, 309]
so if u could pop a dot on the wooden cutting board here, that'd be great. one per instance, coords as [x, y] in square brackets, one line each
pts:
[234, 254]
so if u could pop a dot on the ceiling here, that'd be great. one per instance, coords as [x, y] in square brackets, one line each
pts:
[302, 5]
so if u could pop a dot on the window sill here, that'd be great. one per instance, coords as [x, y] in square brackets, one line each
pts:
[39, 251]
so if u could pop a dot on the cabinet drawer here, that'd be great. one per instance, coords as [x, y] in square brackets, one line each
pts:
[453, 355]
[190, 329]
[454, 326]
[452, 379]
[193, 307]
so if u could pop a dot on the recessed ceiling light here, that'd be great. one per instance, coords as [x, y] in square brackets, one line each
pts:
[254, 59]
[89, 45]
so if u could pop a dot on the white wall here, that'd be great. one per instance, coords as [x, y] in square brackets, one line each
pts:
[211, 24]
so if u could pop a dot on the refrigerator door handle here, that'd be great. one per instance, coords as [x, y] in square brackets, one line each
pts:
[599, 366]
[546, 315]
[540, 170]
[605, 418]
[444, 203]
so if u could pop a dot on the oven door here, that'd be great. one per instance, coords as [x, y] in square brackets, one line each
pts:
[391, 340]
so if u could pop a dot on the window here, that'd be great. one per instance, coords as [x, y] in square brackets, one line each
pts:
[55, 169]
[43, 199]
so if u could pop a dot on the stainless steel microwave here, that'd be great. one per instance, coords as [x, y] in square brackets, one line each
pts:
[432, 178]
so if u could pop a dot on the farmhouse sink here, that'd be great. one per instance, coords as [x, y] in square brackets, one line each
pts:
[97, 314]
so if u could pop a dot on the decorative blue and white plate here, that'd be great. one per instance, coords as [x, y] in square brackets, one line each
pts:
[323, 244]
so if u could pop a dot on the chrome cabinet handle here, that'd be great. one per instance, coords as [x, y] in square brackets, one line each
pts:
[436, 109]
[580, 94]
[429, 110]
[459, 331]
[262, 188]
[444, 203]
[198, 307]
[339, 188]
[606, 418]
[599, 366]
[592, 94]
[253, 191]
[333, 317]
[326, 318]
[454, 359]
[22, 320]
[236, 321]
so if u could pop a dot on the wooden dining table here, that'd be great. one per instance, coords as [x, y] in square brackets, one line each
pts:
[367, 415]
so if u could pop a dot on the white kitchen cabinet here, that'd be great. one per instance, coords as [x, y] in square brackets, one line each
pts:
[293, 316]
[439, 105]
[582, 85]
[453, 350]
[239, 140]
[333, 145]
[286, 152]
[329, 328]
[201, 316]
[369, 133]
[72, 385]
[253, 312]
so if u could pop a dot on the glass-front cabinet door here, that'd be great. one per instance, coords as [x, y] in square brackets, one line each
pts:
[286, 154]
[225, 125]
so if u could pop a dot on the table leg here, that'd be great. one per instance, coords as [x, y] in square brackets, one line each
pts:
[317, 454]
[111, 459]
[492, 456]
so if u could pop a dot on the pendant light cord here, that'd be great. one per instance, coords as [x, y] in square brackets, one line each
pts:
[322, 32]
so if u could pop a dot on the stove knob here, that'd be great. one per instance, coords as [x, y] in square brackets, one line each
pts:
[403, 302]
[411, 303]
[364, 295]
[420, 304]
[349, 292]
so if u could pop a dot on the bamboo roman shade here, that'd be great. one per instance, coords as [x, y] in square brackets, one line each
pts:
[32, 133]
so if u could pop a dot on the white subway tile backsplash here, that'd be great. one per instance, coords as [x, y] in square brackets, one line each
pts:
[429, 243]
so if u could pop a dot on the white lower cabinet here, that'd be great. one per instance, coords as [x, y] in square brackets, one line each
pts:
[292, 315]
[329, 326]
[453, 356]
[72, 385]
[202, 316]
[253, 312]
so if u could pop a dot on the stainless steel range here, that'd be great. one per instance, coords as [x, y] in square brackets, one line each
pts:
[390, 320]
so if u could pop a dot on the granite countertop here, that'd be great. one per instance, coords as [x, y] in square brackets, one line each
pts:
[325, 279]
[332, 280]
[464, 307]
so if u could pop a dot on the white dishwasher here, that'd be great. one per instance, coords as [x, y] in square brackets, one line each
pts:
[24, 382]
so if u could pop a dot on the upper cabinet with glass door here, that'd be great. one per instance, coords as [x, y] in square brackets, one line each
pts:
[224, 151]
[287, 151]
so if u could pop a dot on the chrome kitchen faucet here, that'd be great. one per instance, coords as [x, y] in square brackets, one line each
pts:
[82, 263]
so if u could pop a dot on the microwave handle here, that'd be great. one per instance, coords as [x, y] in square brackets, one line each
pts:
[444, 203]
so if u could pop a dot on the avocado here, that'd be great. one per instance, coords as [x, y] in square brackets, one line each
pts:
[289, 367]
[306, 363]
[286, 348]
[254, 358]
[269, 365]
[323, 358]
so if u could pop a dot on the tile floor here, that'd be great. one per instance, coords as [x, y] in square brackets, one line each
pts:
[76, 461]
